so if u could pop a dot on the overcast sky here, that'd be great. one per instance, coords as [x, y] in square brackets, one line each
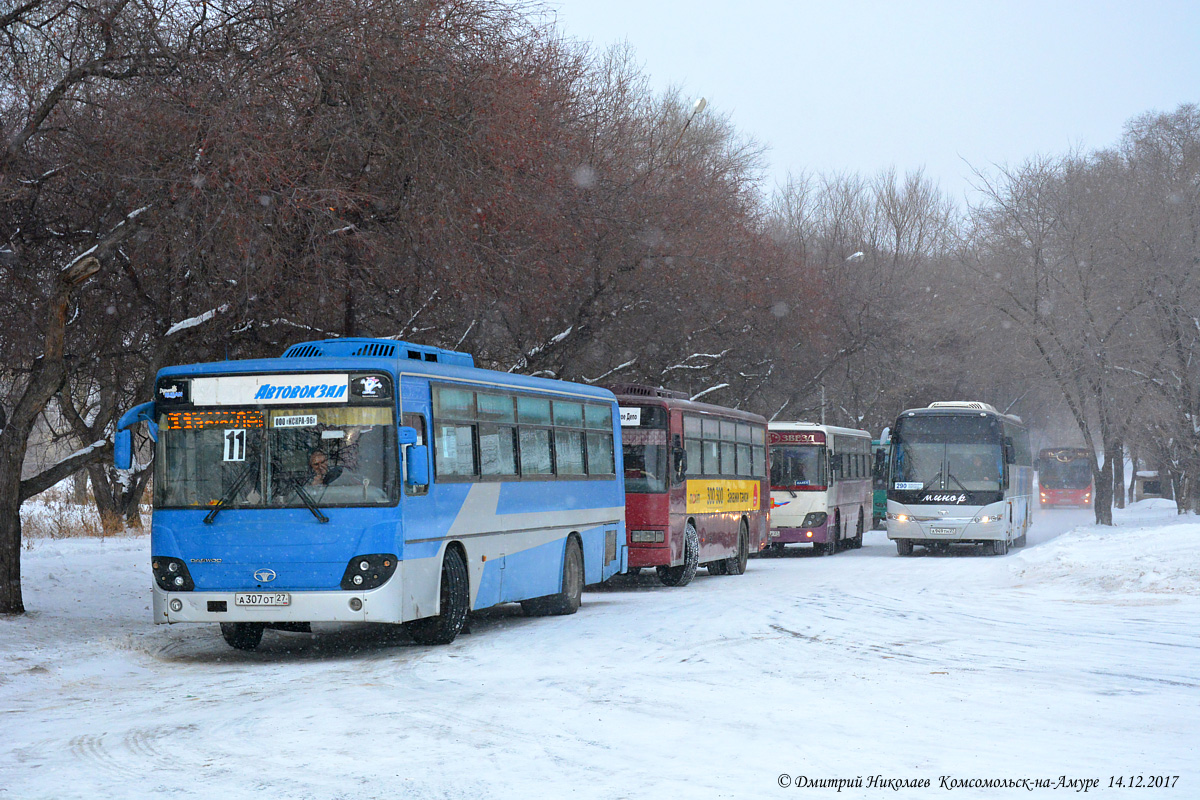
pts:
[845, 85]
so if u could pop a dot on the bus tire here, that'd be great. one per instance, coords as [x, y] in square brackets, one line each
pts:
[717, 567]
[682, 575]
[243, 635]
[904, 547]
[999, 547]
[570, 598]
[835, 534]
[736, 564]
[452, 607]
[857, 542]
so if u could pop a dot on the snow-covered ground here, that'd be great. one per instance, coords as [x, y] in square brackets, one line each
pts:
[1078, 657]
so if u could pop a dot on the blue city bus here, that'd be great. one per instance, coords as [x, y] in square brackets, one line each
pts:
[374, 480]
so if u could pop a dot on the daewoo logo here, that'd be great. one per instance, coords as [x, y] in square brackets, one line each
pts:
[945, 498]
[264, 575]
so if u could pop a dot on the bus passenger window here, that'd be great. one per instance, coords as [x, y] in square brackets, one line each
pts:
[454, 447]
[535, 451]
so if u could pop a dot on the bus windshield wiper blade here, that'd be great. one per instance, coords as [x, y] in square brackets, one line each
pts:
[308, 501]
[932, 480]
[950, 476]
[231, 491]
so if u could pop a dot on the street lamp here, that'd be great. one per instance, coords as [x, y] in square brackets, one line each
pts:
[697, 107]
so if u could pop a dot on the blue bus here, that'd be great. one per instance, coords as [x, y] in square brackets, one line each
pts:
[373, 480]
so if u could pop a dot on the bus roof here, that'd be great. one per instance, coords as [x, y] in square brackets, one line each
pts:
[363, 355]
[965, 408]
[678, 400]
[814, 426]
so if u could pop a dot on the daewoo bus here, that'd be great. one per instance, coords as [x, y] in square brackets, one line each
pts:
[1064, 476]
[961, 473]
[695, 483]
[375, 481]
[820, 485]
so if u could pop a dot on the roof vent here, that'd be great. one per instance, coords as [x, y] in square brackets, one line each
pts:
[971, 404]
[303, 351]
[641, 390]
[377, 348]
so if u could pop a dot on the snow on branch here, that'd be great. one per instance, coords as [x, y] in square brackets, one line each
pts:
[685, 365]
[710, 390]
[617, 368]
[417, 313]
[524, 360]
[197, 320]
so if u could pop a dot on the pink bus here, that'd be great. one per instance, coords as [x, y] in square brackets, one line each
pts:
[820, 486]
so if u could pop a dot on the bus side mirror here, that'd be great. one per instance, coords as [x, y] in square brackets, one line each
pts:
[416, 464]
[123, 450]
[1010, 452]
[679, 456]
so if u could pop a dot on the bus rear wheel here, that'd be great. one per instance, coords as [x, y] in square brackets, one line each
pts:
[243, 635]
[571, 597]
[736, 564]
[682, 575]
[857, 542]
[452, 608]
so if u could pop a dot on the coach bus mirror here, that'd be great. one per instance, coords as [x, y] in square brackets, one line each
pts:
[417, 464]
[123, 450]
[679, 457]
[1010, 453]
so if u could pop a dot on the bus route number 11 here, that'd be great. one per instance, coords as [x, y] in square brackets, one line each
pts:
[235, 444]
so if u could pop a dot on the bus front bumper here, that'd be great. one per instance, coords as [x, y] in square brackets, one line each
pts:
[945, 529]
[377, 605]
[815, 535]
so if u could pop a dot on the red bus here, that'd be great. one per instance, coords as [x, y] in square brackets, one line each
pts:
[1065, 476]
[696, 491]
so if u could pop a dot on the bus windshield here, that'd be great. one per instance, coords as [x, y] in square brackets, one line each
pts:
[645, 460]
[949, 453]
[1074, 474]
[260, 458]
[795, 466]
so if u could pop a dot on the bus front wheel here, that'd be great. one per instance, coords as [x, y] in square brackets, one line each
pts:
[243, 635]
[682, 575]
[571, 597]
[1000, 547]
[452, 608]
[904, 547]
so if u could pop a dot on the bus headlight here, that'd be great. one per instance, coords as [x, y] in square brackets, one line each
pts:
[898, 517]
[814, 520]
[171, 574]
[369, 572]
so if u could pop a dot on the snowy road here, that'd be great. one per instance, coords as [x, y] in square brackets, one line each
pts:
[1077, 657]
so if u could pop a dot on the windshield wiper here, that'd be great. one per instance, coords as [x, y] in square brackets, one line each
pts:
[931, 481]
[950, 476]
[308, 501]
[234, 488]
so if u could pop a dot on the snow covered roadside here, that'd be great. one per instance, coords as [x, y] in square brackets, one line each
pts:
[1042, 664]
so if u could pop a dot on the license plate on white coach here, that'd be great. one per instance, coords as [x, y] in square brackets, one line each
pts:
[943, 531]
[262, 599]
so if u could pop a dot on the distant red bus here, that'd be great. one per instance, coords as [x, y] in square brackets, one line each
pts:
[1065, 476]
[696, 490]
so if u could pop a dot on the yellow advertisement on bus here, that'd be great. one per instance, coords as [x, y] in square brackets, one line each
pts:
[716, 496]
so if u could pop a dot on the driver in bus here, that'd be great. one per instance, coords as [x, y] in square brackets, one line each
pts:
[320, 473]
